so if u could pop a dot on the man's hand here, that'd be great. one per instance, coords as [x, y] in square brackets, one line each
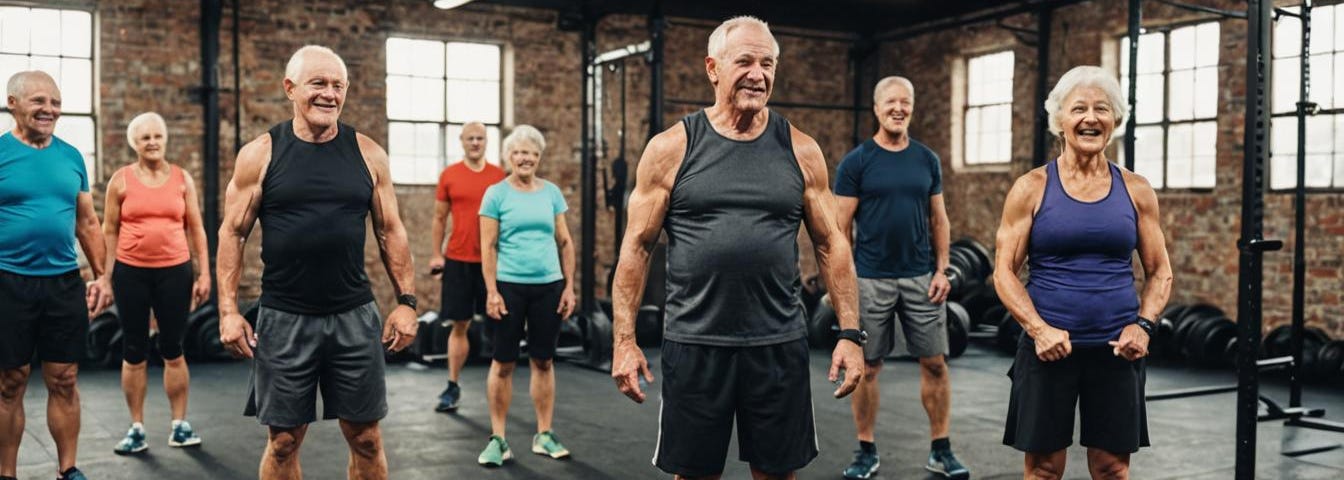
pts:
[848, 356]
[627, 364]
[98, 295]
[436, 266]
[1052, 344]
[567, 303]
[200, 290]
[236, 335]
[494, 306]
[400, 328]
[939, 287]
[1133, 343]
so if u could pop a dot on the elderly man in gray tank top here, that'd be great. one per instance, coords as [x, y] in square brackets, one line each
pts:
[312, 182]
[731, 185]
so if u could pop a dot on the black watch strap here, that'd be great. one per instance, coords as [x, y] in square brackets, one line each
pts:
[1147, 325]
[854, 335]
[407, 299]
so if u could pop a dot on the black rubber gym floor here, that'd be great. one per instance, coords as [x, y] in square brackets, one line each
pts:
[613, 438]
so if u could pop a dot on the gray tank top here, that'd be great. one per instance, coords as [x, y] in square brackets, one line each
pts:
[732, 227]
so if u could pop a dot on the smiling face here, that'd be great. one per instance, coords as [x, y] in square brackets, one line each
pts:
[473, 141]
[744, 72]
[1087, 119]
[149, 139]
[894, 107]
[36, 108]
[524, 157]
[318, 91]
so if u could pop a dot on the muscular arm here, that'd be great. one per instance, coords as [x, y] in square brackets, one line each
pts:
[116, 188]
[242, 202]
[645, 211]
[393, 245]
[941, 231]
[846, 207]
[822, 216]
[1152, 248]
[1010, 250]
[90, 234]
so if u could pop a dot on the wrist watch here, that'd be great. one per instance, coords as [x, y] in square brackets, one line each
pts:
[407, 299]
[854, 335]
[1146, 324]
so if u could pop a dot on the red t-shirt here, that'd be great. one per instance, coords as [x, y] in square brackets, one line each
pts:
[463, 188]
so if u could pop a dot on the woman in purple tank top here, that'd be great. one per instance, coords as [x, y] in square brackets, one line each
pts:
[1077, 222]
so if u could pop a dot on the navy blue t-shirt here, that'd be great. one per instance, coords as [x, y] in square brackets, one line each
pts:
[892, 222]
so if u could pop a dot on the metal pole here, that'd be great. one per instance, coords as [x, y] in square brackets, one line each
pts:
[657, 23]
[237, 83]
[1300, 207]
[856, 63]
[1040, 135]
[211, 13]
[1251, 245]
[1135, 16]
[589, 171]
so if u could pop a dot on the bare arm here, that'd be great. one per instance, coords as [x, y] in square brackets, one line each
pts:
[1010, 250]
[196, 237]
[116, 188]
[90, 234]
[440, 227]
[941, 231]
[1152, 248]
[846, 207]
[494, 303]
[388, 231]
[242, 202]
[565, 245]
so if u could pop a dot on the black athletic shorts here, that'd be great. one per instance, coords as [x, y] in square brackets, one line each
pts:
[1107, 390]
[463, 291]
[532, 312]
[43, 314]
[766, 389]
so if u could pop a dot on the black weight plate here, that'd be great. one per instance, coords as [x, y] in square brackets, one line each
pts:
[958, 322]
[1179, 335]
[1216, 336]
[649, 326]
[112, 357]
[983, 256]
[990, 317]
[820, 335]
[979, 300]
[1192, 338]
[1009, 331]
[99, 336]
[1202, 310]
[1276, 342]
[1173, 313]
[966, 260]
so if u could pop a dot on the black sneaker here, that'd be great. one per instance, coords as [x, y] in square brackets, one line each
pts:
[72, 474]
[864, 466]
[943, 462]
[448, 399]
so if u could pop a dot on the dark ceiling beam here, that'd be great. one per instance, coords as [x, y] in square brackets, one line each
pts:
[969, 17]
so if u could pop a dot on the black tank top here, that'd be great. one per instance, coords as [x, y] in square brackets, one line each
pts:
[314, 202]
[732, 227]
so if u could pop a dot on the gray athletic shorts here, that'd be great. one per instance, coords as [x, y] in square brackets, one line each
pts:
[297, 354]
[885, 303]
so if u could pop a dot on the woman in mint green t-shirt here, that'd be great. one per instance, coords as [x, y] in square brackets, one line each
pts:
[527, 259]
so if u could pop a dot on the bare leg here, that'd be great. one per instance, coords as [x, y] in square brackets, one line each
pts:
[543, 392]
[499, 390]
[367, 461]
[13, 384]
[63, 410]
[280, 461]
[133, 379]
[1044, 466]
[458, 347]
[864, 402]
[1104, 465]
[935, 390]
[176, 383]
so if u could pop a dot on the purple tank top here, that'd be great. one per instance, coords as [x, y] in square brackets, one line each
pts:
[1079, 254]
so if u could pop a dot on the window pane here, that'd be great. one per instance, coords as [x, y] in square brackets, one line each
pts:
[428, 56]
[1204, 144]
[1338, 91]
[1181, 105]
[398, 97]
[76, 30]
[1319, 170]
[400, 138]
[51, 65]
[1206, 92]
[1339, 134]
[1183, 48]
[1124, 60]
[1148, 143]
[45, 28]
[1338, 27]
[1178, 156]
[972, 135]
[1322, 72]
[1282, 172]
[1149, 106]
[1320, 133]
[473, 61]
[400, 61]
[1283, 136]
[1152, 53]
[1322, 33]
[427, 140]
[76, 91]
[12, 64]
[1288, 35]
[1285, 94]
[1339, 170]
[1206, 44]
[427, 99]
[492, 145]
[6, 122]
[473, 100]
[14, 30]
[78, 132]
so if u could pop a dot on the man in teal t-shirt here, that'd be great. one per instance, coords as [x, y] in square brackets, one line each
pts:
[45, 206]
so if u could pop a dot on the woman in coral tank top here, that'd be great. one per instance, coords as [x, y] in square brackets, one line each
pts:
[150, 218]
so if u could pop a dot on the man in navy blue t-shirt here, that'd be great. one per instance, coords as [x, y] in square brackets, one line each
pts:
[892, 187]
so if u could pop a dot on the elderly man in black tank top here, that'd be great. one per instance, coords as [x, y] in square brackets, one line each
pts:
[312, 182]
[735, 345]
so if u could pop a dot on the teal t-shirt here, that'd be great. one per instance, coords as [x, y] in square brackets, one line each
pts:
[39, 190]
[527, 250]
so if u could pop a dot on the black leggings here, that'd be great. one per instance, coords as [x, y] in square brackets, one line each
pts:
[167, 291]
[532, 315]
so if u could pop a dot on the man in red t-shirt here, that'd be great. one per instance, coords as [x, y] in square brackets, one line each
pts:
[461, 187]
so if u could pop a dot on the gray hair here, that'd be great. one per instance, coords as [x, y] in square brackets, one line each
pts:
[1086, 76]
[18, 84]
[295, 65]
[887, 82]
[524, 133]
[140, 120]
[719, 38]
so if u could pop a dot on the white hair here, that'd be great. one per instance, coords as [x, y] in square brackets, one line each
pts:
[295, 65]
[719, 38]
[18, 84]
[524, 133]
[140, 120]
[887, 82]
[1086, 76]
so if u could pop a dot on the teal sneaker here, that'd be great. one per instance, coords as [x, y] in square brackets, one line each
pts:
[183, 436]
[495, 453]
[864, 466]
[133, 443]
[72, 474]
[546, 443]
[945, 464]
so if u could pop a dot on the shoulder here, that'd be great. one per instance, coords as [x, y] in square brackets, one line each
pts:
[117, 182]
[668, 144]
[257, 150]
[370, 148]
[1029, 185]
[923, 150]
[1140, 190]
[64, 149]
[856, 154]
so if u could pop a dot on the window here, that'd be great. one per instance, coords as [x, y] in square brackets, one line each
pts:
[1325, 130]
[59, 42]
[433, 89]
[1176, 128]
[989, 109]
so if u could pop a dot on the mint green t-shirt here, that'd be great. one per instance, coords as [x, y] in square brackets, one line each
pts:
[526, 245]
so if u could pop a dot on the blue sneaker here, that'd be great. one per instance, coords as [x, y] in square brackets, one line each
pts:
[72, 474]
[943, 462]
[448, 399]
[864, 466]
[133, 443]
[183, 436]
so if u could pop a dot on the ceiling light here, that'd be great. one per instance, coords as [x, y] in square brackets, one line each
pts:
[447, 4]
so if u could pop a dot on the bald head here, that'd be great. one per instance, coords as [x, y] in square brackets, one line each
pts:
[473, 142]
[308, 53]
[22, 82]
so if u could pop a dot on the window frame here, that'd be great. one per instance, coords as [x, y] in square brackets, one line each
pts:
[1290, 116]
[966, 107]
